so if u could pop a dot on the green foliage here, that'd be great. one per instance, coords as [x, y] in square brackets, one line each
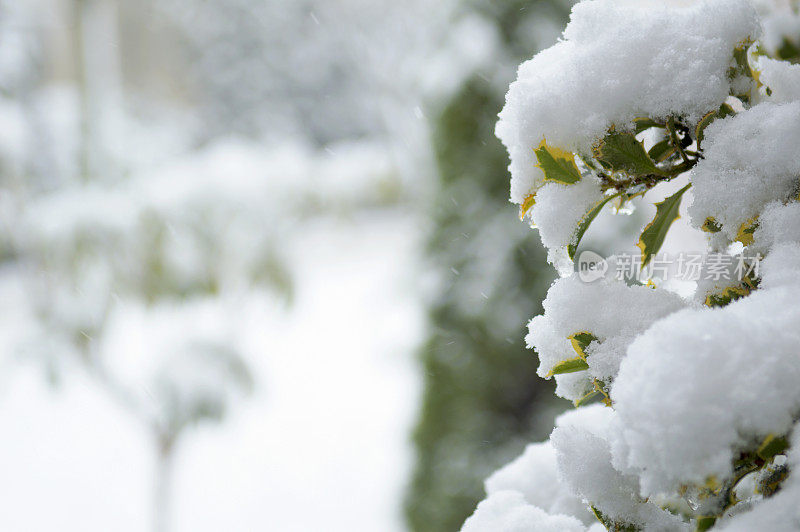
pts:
[557, 165]
[481, 392]
[621, 152]
[482, 400]
[570, 365]
[653, 236]
[586, 221]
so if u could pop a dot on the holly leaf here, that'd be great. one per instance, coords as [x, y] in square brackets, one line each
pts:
[580, 341]
[710, 225]
[655, 232]
[771, 446]
[621, 152]
[585, 222]
[661, 150]
[570, 365]
[643, 123]
[728, 295]
[746, 231]
[557, 165]
[527, 204]
[724, 110]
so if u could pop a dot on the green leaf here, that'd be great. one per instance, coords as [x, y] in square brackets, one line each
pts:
[586, 221]
[747, 230]
[621, 152]
[557, 165]
[702, 125]
[527, 204]
[661, 150]
[656, 231]
[611, 525]
[705, 522]
[723, 111]
[729, 294]
[568, 366]
[643, 123]
[588, 398]
[710, 225]
[771, 446]
[580, 341]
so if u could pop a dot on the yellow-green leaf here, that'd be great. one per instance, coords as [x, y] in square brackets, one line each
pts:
[661, 151]
[771, 446]
[710, 225]
[723, 111]
[745, 234]
[587, 398]
[527, 204]
[557, 165]
[643, 123]
[621, 152]
[656, 231]
[580, 341]
[568, 366]
[586, 221]
[730, 293]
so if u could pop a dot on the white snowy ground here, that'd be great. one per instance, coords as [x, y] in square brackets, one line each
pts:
[322, 444]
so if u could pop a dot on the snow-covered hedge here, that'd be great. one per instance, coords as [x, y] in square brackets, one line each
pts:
[687, 410]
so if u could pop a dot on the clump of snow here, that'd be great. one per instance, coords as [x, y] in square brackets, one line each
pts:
[507, 511]
[557, 213]
[781, 267]
[612, 311]
[745, 165]
[730, 379]
[585, 461]
[779, 223]
[779, 23]
[782, 79]
[534, 475]
[619, 60]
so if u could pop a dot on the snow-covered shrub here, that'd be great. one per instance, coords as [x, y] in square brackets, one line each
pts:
[699, 414]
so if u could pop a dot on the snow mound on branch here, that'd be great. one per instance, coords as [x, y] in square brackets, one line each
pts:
[612, 311]
[534, 475]
[558, 212]
[745, 165]
[620, 60]
[507, 511]
[782, 78]
[781, 267]
[676, 386]
[585, 462]
[778, 224]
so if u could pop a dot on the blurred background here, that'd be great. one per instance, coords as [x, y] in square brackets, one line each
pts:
[258, 270]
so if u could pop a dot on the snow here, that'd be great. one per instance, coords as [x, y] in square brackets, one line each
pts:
[535, 476]
[584, 460]
[745, 166]
[747, 347]
[619, 60]
[557, 213]
[693, 388]
[507, 511]
[306, 437]
[612, 311]
[782, 79]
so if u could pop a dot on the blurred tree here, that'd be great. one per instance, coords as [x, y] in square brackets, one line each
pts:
[482, 398]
